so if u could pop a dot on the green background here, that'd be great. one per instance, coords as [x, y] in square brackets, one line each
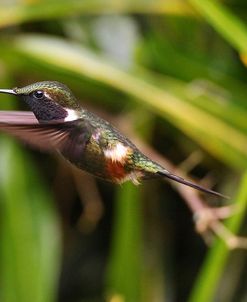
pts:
[172, 76]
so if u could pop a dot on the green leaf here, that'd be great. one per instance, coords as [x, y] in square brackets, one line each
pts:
[30, 240]
[13, 14]
[124, 271]
[224, 21]
[213, 268]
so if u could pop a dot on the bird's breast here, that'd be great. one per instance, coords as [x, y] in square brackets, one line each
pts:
[119, 163]
[109, 158]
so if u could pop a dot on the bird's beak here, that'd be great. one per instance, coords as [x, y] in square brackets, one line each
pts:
[8, 91]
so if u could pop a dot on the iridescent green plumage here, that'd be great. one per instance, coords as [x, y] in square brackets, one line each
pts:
[59, 92]
[86, 140]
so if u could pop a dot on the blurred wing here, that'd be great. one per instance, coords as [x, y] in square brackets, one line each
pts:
[67, 137]
[18, 117]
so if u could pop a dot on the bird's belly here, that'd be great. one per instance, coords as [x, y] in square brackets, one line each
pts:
[92, 161]
[112, 164]
[98, 165]
[105, 169]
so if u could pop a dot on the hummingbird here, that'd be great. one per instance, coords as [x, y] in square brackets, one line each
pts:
[57, 121]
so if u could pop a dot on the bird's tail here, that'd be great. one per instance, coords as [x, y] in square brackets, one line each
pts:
[189, 183]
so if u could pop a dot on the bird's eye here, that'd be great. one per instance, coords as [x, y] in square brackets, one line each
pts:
[38, 94]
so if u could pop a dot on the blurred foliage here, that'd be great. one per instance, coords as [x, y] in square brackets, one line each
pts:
[174, 72]
[214, 264]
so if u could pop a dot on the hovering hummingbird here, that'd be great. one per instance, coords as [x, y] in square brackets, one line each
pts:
[59, 122]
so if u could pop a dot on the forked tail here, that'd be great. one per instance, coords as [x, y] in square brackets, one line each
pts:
[190, 184]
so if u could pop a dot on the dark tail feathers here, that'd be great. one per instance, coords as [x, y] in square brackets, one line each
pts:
[190, 184]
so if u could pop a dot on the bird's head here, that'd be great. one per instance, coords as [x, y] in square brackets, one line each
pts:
[49, 100]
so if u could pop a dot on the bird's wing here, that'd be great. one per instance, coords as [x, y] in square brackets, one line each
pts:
[64, 136]
[18, 117]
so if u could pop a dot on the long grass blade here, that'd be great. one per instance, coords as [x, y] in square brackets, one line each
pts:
[213, 268]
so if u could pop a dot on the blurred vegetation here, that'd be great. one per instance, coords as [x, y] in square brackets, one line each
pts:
[174, 73]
